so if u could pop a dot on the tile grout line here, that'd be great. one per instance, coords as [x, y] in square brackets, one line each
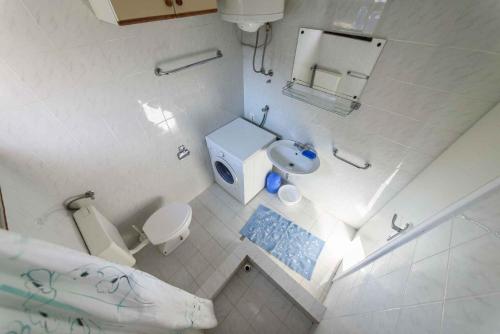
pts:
[406, 283]
[447, 274]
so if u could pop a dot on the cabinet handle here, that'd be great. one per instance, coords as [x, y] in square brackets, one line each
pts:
[169, 3]
[178, 2]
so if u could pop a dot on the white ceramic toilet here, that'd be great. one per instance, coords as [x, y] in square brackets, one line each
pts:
[167, 228]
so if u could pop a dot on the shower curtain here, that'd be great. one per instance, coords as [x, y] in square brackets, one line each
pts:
[45, 288]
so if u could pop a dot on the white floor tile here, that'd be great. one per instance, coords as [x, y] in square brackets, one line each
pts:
[213, 252]
[205, 275]
[185, 251]
[234, 323]
[182, 279]
[279, 304]
[265, 322]
[235, 289]
[297, 322]
[249, 305]
[198, 235]
[197, 264]
[222, 307]
[217, 220]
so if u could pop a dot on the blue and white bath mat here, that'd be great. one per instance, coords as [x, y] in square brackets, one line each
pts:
[286, 241]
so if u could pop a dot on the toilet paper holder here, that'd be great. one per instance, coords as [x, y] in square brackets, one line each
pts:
[183, 152]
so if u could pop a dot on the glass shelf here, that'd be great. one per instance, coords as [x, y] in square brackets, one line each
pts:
[341, 105]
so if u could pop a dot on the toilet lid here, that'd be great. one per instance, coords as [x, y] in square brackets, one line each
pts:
[167, 222]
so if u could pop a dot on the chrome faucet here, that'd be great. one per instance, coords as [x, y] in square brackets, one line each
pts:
[304, 147]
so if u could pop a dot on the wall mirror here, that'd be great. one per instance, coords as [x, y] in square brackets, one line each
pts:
[331, 69]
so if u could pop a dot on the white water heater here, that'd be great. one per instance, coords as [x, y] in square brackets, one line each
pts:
[250, 15]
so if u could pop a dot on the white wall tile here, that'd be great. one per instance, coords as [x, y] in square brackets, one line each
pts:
[421, 319]
[33, 210]
[464, 230]
[434, 241]
[393, 285]
[384, 322]
[462, 24]
[361, 15]
[19, 32]
[487, 212]
[420, 98]
[71, 24]
[13, 92]
[463, 276]
[402, 256]
[468, 72]
[426, 281]
[99, 96]
[475, 315]
[474, 267]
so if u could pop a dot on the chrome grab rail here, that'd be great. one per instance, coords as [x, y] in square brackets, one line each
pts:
[159, 72]
[366, 166]
[358, 75]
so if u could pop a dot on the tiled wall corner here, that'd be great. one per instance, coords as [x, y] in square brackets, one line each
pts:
[82, 109]
[451, 283]
[437, 75]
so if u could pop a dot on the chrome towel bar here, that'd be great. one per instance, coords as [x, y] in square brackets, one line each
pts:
[159, 72]
[366, 165]
[358, 75]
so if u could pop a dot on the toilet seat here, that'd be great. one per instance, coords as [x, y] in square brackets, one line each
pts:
[168, 222]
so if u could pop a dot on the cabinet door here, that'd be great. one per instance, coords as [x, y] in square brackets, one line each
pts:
[134, 11]
[194, 7]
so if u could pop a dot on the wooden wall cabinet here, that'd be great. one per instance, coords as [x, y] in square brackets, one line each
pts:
[123, 12]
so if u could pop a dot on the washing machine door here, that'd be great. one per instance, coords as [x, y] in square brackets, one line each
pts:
[224, 172]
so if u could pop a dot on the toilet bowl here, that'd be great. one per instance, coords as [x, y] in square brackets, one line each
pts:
[167, 228]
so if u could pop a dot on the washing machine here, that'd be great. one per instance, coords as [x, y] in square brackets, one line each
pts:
[238, 158]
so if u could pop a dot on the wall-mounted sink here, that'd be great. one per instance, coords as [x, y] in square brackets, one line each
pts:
[287, 156]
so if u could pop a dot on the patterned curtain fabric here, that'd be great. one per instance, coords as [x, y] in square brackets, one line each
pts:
[45, 288]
